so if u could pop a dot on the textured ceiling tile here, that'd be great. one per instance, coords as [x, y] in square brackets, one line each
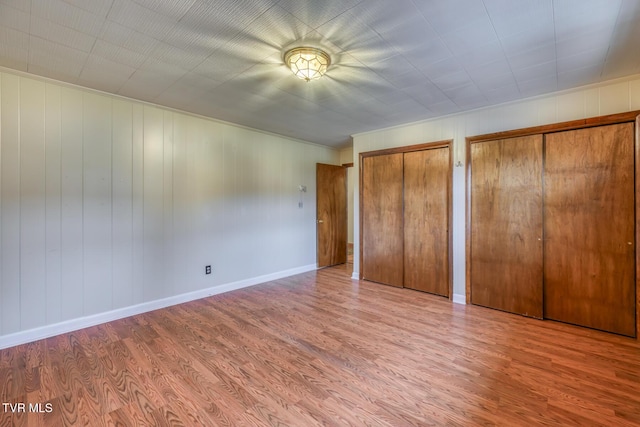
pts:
[13, 38]
[174, 9]
[315, 13]
[351, 35]
[538, 86]
[527, 40]
[189, 87]
[13, 18]
[431, 52]
[127, 38]
[141, 19]
[97, 69]
[579, 76]
[146, 85]
[544, 69]
[23, 5]
[12, 56]
[396, 69]
[501, 94]
[450, 15]
[223, 66]
[67, 15]
[512, 17]
[589, 58]
[97, 7]
[442, 69]
[186, 59]
[466, 39]
[489, 81]
[272, 32]
[529, 58]
[482, 55]
[426, 94]
[575, 18]
[595, 40]
[118, 54]
[63, 35]
[61, 59]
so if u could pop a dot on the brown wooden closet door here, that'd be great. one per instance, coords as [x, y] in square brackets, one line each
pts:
[382, 219]
[506, 225]
[589, 228]
[426, 220]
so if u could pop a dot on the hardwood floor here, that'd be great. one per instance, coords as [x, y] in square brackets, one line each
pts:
[321, 349]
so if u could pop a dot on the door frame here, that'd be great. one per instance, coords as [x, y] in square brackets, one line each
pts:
[448, 143]
[631, 116]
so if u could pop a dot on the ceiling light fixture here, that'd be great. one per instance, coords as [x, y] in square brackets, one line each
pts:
[307, 63]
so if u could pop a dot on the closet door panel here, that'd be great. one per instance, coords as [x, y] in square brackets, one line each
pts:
[426, 218]
[506, 225]
[589, 252]
[382, 235]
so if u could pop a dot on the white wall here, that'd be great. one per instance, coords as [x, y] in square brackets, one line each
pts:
[108, 203]
[346, 156]
[608, 98]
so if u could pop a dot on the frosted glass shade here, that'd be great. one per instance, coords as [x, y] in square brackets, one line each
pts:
[307, 63]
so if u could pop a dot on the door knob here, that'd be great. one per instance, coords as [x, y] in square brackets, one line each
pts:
[320, 221]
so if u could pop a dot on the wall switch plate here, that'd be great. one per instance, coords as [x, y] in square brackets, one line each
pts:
[207, 269]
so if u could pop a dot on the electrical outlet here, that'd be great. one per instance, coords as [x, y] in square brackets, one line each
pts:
[207, 269]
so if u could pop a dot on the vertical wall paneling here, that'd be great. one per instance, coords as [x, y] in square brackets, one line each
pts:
[181, 200]
[10, 195]
[167, 209]
[108, 203]
[1, 282]
[53, 199]
[153, 203]
[97, 198]
[137, 215]
[214, 201]
[231, 175]
[32, 205]
[122, 204]
[71, 191]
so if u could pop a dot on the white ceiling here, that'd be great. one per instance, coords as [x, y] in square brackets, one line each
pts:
[394, 61]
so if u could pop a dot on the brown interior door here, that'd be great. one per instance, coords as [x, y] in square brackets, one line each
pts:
[426, 220]
[382, 235]
[506, 225]
[589, 229]
[331, 214]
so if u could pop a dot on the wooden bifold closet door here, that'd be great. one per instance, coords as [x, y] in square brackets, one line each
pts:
[552, 226]
[506, 224]
[382, 243]
[426, 218]
[405, 219]
[589, 228]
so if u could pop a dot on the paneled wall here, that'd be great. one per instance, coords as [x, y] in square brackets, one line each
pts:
[108, 203]
[606, 98]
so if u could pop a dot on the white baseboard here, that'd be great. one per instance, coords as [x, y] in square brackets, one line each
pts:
[459, 299]
[355, 275]
[47, 331]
